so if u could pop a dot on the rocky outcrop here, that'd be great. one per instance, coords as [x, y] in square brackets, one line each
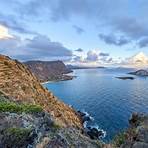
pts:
[18, 83]
[140, 73]
[49, 70]
[137, 134]
[126, 78]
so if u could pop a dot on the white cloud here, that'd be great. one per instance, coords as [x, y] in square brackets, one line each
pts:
[138, 60]
[4, 34]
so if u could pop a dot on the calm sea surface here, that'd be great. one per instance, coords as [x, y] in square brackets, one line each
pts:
[108, 99]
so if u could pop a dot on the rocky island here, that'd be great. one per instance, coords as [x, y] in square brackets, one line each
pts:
[140, 73]
[126, 78]
[49, 70]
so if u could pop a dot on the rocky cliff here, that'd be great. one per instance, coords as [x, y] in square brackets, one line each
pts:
[17, 82]
[49, 70]
[136, 136]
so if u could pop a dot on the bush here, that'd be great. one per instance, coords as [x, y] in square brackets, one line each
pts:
[17, 137]
[119, 139]
[19, 108]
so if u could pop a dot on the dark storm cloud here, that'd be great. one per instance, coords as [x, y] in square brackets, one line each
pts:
[40, 47]
[78, 29]
[112, 39]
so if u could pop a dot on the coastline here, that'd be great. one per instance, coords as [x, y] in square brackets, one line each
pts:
[67, 78]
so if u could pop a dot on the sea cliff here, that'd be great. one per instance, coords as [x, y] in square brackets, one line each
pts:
[49, 70]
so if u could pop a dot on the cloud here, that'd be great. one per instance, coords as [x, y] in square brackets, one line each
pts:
[79, 50]
[11, 22]
[43, 44]
[92, 56]
[39, 47]
[78, 29]
[111, 39]
[4, 34]
[131, 27]
[143, 42]
[103, 54]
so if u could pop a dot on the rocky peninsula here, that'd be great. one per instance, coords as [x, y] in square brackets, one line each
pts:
[49, 70]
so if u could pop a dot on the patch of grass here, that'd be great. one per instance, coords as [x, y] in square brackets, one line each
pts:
[119, 139]
[56, 126]
[19, 108]
[18, 132]
[16, 137]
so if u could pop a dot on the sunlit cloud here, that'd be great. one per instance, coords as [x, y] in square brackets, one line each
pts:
[4, 33]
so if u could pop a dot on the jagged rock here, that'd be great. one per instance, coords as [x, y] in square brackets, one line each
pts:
[140, 145]
[137, 135]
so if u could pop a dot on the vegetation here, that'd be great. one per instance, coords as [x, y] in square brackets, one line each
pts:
[56, 126]
[17, 137]
[119, 139]
[18, 132]
[19, 108]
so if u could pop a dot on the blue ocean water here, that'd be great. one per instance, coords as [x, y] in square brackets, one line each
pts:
[108, 99]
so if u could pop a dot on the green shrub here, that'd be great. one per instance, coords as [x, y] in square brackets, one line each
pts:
[18, 132]
[19, 108]
[16, 137]
[56, 126]
[119, 139]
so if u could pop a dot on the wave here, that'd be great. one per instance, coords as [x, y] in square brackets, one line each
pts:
[91, 128]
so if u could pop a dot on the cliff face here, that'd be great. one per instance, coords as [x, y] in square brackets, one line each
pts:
[17, 82]
[136, 136]
[48, 70]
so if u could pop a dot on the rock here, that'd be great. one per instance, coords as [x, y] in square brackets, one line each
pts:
[95, 133]
[142, 134]
[58, 142]
[49, 70]
[140, 145]
[126, 78]
[139, 73]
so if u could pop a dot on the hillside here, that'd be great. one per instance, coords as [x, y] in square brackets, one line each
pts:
[49, 70]
[27, 125]
[17, 82]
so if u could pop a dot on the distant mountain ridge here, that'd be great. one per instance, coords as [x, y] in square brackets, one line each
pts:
[49, 70]
[82, 67]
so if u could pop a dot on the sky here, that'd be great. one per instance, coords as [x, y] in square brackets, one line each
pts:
[88, 32]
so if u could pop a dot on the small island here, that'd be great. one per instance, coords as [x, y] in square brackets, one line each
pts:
[140, 73]
[126, 78]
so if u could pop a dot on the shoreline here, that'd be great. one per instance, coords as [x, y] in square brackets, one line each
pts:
[59, 80]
